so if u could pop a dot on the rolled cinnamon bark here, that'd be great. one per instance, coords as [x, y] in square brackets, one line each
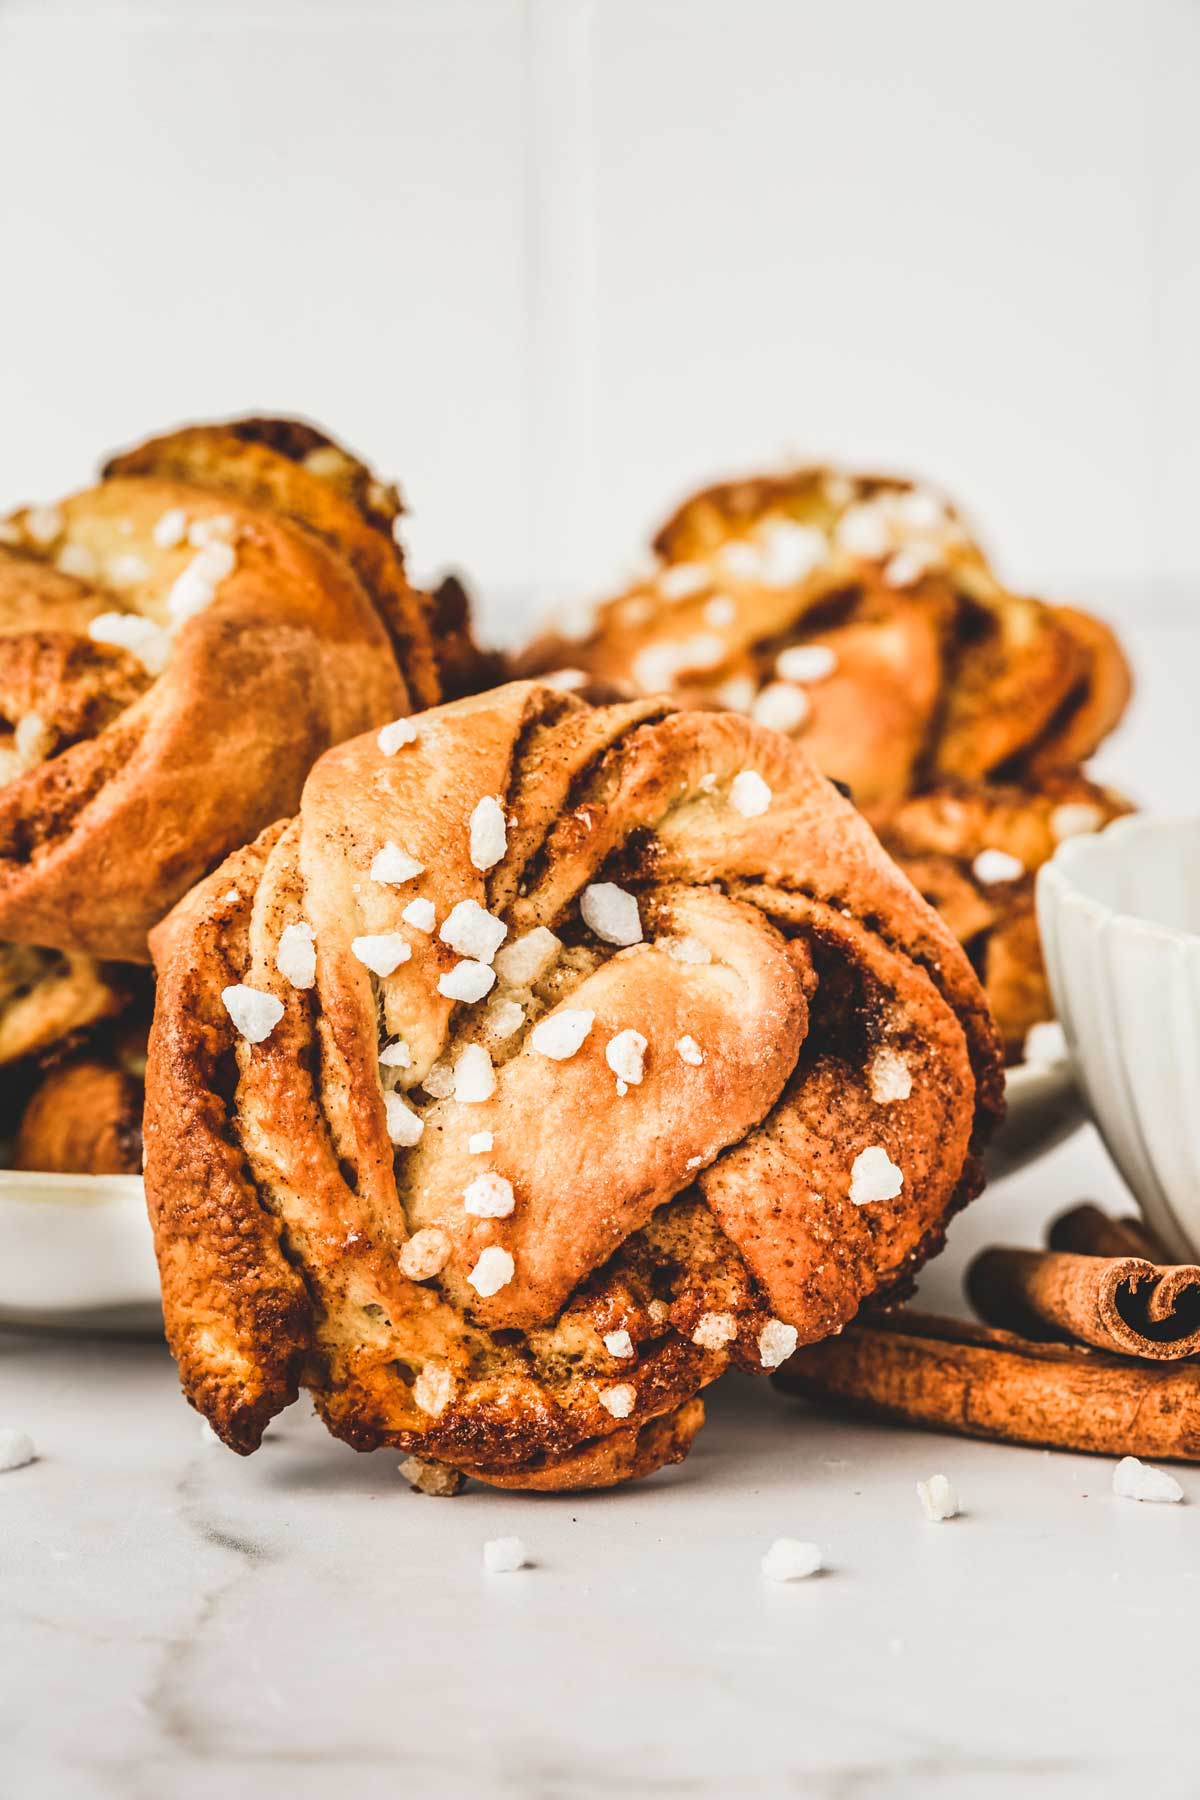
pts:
[947, 1375]
[1119, 1303]
[1090, 1232]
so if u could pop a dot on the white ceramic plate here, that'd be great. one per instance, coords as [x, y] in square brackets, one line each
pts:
[76, 1252]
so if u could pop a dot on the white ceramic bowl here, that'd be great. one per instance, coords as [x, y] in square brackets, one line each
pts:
[1120, 924]
[76, 1253]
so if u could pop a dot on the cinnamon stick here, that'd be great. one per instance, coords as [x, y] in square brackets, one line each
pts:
[1090, 1232]
[948, 1375]
[1119, 1303]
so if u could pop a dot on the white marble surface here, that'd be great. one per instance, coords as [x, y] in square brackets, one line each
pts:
[179, 1622]
[176, 1622]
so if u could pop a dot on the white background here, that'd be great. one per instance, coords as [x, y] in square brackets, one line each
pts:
[552, 262]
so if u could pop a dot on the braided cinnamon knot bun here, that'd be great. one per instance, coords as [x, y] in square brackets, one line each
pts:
[177, 646]
[973, 850]
[856, 613]
[548, 1062]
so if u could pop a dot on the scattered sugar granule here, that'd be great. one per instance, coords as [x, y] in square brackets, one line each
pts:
[391, 866]
[693, 1162]
[488, 834]
[527, 958]
[891, 1078]
[612, 913]
[420, 915]
[749, 794]
[493, 1271]
[781, 707]
[741, 558]
[1045, 1042]
[907, 566]
[655, 667]
[170, 528]
[737, 694]
[381, 952]
[439, 1082]
[791, 1559]
[863, 530]
[219, 529]
[874, 1176]
[776, 1342]
[325, 461]
[992, 866]
[403, 1126]
[565, 680]
[43, 524]
[625, 1055]
[1075, 819]
[560, 1034]
[806, 663]
[689, 1052]
[16, 1448]
[32, 739]
[720, 612]
[255, 1014]
[619, 1400]
[505, 1555]
[618, 1344]
[473, 931]
[684, 949]
[479, 1143]
[467, 981]
[489, 1196]
[425, 1254]
[76, 560]
[1136, 1480]
[504, 1017]
[714, 1330]
[474, 1076]
[296, 957]
[196, 587]
[703, 651]
[393, 737]
[681, 580]
[127, 570]
[435, 1478]
[230, 898]
[938, 1498]
[433, 1389]
[789, 552]
[129, 631]
[396, 1056]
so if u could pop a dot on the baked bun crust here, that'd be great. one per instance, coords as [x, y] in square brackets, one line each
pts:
[932, 669]
[523, 1242]
[177, 646]
[946, 840]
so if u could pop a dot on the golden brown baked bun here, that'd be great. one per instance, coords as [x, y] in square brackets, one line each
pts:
[46, 996]
[83, 1118]
[856, 613]
[177, 646]
[973, 849]
[624, 1053]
